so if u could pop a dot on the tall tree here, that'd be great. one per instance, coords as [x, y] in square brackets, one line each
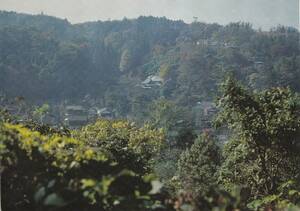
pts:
[198, 165]
[264, 150]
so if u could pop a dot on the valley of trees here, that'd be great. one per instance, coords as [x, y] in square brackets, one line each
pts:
[153, 155]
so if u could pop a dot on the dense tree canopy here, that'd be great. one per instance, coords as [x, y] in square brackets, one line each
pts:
[264, 151]
[198, 165]
[107, 170]
[163, 75]
[47, 59]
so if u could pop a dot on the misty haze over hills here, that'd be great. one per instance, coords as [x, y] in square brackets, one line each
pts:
[261, 13]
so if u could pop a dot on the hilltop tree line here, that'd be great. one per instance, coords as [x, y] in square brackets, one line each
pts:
[48, 59]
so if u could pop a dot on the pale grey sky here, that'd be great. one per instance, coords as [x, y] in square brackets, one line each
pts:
[261, 13]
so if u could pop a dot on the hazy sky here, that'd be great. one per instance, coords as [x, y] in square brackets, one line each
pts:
[261, 13]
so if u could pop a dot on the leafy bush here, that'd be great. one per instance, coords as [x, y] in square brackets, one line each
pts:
[264, 150]
[198, 165]
[56, 172]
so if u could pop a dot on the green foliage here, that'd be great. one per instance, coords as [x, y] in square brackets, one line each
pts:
[166, 163]
[166, 114]
[46, 129]
[164, 71]
[46, 59]
[128, 144]
[215, 200]
[39, 112]
[125, 61]
[108, 165]
[264, 151]
[198, 165]
[287, 197]
[54, 172]
[177, 123]
[4, 116]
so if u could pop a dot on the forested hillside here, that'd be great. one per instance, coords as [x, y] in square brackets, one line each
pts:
[147, 114]
[45, 59]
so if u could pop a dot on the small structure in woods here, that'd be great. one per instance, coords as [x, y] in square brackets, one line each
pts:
[105, 113]
[152, 81]
[75, 116]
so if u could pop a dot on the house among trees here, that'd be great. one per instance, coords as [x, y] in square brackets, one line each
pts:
[203, 42]
[105, 113]
[12, 109]
[204, 112]
[75, 116]
[152, 81]
[93, 114]
[230, 45]
[50, 119]
[258, 64]
[209, 108]
[214, 43]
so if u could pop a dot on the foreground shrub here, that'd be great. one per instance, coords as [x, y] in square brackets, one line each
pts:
[62, 173]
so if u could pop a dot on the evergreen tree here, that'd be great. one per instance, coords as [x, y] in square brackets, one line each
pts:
[197, 166]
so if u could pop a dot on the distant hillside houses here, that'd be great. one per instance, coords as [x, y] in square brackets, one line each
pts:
[214, 43]
[152, 81]
[105, 113]
[77, 116]
[204, 113]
